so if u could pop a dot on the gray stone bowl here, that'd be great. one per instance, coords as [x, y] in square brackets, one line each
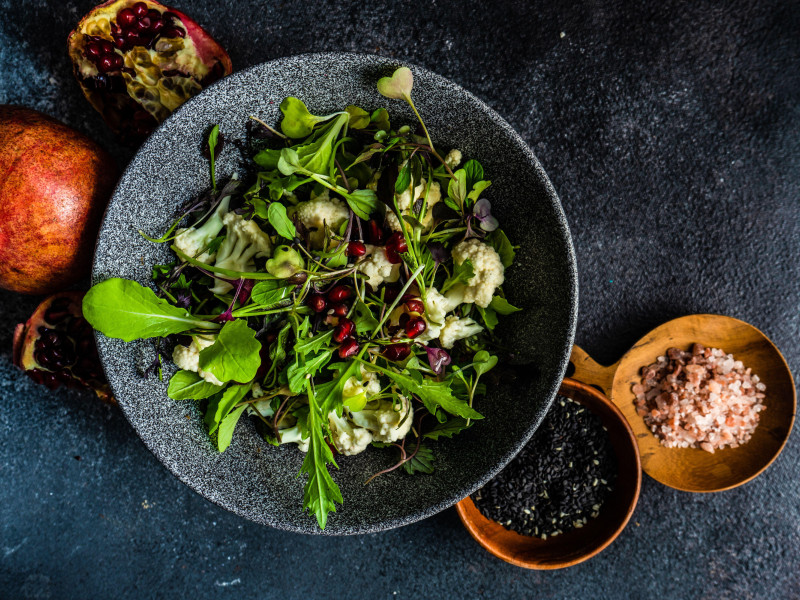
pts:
[252, 478]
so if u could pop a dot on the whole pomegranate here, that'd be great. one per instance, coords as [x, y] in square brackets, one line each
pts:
[138, 61]
[55, 347]
[54, 186]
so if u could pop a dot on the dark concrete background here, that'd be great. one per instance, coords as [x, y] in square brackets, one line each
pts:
[669, 129]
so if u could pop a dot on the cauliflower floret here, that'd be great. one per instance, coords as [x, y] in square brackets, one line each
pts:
[320, 210]
[385, 421]
[191, 240]
[244, 241]
[405, 202]
[188, 357]
[455, 329]
[293, 435]
[377, 267]
[453, 158]
[348, 438]
[437, 306]
[369, 385]
[488, 272]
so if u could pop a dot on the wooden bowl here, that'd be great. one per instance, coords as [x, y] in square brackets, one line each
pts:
[692, 469]
[581, 544]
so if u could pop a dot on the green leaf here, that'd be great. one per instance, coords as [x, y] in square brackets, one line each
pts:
[276, 214]
[398, 86]
[308, 345]
[225, 433]
[474, 172]
[213, 138]
[403, 178]
[489, 317]
[477, 190]
[222, 404]
[297, 121]
[359, 118]
[483, 362]
[499, 241]
[270, 292]
[363, 202]
[502, 307]
[451, 204]
[366, 155]
[289, 162]
[268, 158]
[188, 385]
[457, 188]
[363, 318]
[461, 274]
[277, 351]
[234, 356]
[330, 394]
[447, 429]
[421, 462]
[298, 372]
[432, 393]
[121, 308]
[381, 119]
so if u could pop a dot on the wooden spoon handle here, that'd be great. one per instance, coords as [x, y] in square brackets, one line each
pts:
[590, 372]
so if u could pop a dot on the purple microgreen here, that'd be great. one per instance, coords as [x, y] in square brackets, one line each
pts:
[438, 359]
[439, 253]
[483, 212]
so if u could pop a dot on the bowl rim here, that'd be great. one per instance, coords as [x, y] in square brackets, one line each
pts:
[471, 517]
[571, 277]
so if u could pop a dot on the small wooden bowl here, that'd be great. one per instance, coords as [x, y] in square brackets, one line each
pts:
[581, 544]
[692, 469]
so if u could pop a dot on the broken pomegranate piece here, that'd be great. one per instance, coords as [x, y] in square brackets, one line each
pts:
[56, 347]
[137, 62]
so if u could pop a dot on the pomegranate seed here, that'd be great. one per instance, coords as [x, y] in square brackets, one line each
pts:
[119, 41]
[403, 319]
[118, 62]
[390, 292]
[415, 305]
[397, 243]
[106, 47]
[134, 39]
[348, 348]
[375, 233]
[126, 19]
[356, 249]
[339, 293]
[156, 25]
[396, 351]
[143, 24]
[317, 303]
[140, 9]
[392, 256]
[173, 32]
[154, 14]
[340, 310]
[93, 49]
[106, 64]
[343, 330]
[415, 326]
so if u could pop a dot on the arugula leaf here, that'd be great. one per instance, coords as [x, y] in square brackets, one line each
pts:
[298, 372]
[188, 385]
[297, 121]
[121, 308]
[222, 404]
[320, 493]
[474, 172]
[461, 274]
[432, 393]
[421, 462]
[213, 138]
[502, 306]
[316, 343]
[276, 214]
[235, 355]
[457, 188]
[499, 241]
[447, 429]
[403, 178]
[489, 317]
[270, 292]
[359, 118]
[363, 318]
[483, 362]
[330, 394]
[362, 202]
[277, 351]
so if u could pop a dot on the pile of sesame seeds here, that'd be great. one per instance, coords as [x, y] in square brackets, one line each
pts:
[559, 480]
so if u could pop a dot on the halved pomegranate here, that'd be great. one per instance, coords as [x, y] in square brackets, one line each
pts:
[55, 347]
[138, 61]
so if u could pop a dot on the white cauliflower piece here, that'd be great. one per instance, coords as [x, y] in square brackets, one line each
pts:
[369, 385]
[244, 241]
[488, 268]
[348, 438]
[319, 211]
[293, 435]
[405, 202]
[188, 357]
[455, 329]
[453, 158]
[387, 422]
[191, 240]
[437, 306]
[377, 267]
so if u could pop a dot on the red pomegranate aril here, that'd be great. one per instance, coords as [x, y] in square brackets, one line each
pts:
[317, 303]
[397, 243]
[118, 62]
[106, 47]
[340, 310]
[134, 39]
[356, 249]
[93, 49]
[375, 233]
[403, 320]
[119, 40]
[173, 32]
[348, 348]
[154, 14]
[390, 292]
[343, 330]
[126, 18]
[143, 24]
[415, 305]
[340, 293]
[106, 64]
[415, 327]
[139, 9]
[392, 256]
[156, 25]
[396, 351]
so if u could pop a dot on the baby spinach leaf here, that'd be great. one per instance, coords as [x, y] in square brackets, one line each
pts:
[502, 306]
[489, 317]
[270, 292]
[276, 214]
[474, 172]
[297, 121]
[188, 385]
[222, 404]
[499, 241]
[234, 356]
[461, 274]
[121, 308]
[363, 202]
[225, 433]
[457, 188]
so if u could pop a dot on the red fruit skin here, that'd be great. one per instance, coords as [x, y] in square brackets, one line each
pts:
[54, 186]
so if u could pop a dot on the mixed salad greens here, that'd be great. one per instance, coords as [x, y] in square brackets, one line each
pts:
[344, 296]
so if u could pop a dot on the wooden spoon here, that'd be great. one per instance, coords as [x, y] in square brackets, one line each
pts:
[692, 469]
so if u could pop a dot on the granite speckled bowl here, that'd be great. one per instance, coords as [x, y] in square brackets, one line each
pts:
[254, 479]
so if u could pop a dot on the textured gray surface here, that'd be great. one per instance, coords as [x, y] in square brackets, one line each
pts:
[670, 132]
[251, 478]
